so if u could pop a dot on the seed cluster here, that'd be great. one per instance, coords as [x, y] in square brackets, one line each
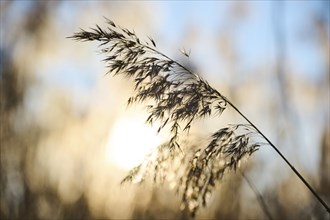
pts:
[175, 97]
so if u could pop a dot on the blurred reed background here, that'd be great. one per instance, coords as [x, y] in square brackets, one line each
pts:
[67, 138]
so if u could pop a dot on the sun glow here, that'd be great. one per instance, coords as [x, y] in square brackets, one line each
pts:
[130, 141]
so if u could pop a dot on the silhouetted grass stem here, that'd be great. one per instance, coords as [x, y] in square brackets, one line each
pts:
[282, 156]
[179, 97]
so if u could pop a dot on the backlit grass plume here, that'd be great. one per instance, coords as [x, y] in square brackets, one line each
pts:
[175, 97]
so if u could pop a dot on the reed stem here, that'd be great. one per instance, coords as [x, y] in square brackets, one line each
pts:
[325, 205]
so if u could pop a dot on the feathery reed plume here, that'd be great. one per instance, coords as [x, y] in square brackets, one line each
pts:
[176, 97]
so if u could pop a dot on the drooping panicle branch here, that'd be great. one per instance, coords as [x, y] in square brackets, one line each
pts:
[175, 96]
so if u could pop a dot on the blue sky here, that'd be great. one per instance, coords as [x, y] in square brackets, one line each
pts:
[253, 36]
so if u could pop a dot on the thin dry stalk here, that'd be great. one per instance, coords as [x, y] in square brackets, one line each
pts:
[176, 97]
